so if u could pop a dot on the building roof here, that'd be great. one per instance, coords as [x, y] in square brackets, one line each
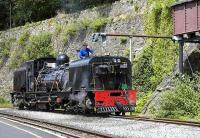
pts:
[182, 2]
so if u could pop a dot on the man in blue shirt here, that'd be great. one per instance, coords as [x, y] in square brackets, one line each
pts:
[85, 51]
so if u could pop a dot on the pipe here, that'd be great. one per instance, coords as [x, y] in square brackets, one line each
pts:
[181, 44]
[133, 35]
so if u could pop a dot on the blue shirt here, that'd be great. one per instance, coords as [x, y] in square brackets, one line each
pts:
[85, 52]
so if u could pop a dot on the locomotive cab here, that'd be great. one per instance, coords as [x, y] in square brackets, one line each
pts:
[107, 81]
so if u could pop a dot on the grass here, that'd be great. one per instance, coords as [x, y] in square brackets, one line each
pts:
[97, 24]
[123, 40]
[4, 103]
[142, 99]
[182, 102]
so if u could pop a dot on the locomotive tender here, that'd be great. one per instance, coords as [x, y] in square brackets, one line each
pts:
[98, 85]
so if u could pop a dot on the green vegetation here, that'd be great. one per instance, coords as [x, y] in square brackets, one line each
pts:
[17, 55]
[71, 29]
[39, 46]
[94, 24]
[31, 47]
[86, 23]
[123, 40]
[182, 102]
[65, 32]
[142, 99]
[159, 56]
[142, 71]
[26, 11]
[4, 103]
[98, 23]
[5, 46]
[136, 8]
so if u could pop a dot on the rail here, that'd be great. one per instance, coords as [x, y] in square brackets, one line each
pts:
[67, 131]
[161, 120]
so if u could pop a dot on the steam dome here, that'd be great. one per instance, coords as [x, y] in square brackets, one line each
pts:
[62, 59]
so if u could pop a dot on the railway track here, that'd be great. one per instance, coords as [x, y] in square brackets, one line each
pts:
[66, 131]
[161, 120]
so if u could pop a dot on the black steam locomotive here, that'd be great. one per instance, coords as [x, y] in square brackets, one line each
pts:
[98, 85]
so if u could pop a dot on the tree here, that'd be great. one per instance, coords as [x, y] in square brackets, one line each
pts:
[29, 10]
[26, 11]
[4, 10]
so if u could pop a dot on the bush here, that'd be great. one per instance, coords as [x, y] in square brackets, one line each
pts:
[19, 50]
[182, 101]
[98, 23]
[94, 24]
[198, 117]
[39, 46]
[159, 56]
[142, 71]
[4, 103]
[142, 99]
[71, 29]
[85, 23]
[136, 8]
[31, 47]
[5, 46]
[23, 39]
[123, 40]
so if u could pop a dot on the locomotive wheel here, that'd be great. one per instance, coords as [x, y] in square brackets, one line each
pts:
[88, 105]
[21, 106]
[117, 113]
[47, 107]
[51, 108]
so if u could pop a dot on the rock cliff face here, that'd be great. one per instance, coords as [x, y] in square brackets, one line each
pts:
[123, 16]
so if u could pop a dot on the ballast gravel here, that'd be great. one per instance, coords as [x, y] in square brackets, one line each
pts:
[115, 127]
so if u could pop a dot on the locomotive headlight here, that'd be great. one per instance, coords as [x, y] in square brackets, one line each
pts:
[118, 60]
[123, 66]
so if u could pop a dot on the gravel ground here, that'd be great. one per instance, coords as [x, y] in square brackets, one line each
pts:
[115, 126]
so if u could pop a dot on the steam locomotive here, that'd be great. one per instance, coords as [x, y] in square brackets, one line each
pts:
[92, 85]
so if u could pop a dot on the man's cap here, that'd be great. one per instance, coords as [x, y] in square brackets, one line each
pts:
[85, 44]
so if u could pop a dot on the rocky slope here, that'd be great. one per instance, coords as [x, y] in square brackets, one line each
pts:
[70, 30]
